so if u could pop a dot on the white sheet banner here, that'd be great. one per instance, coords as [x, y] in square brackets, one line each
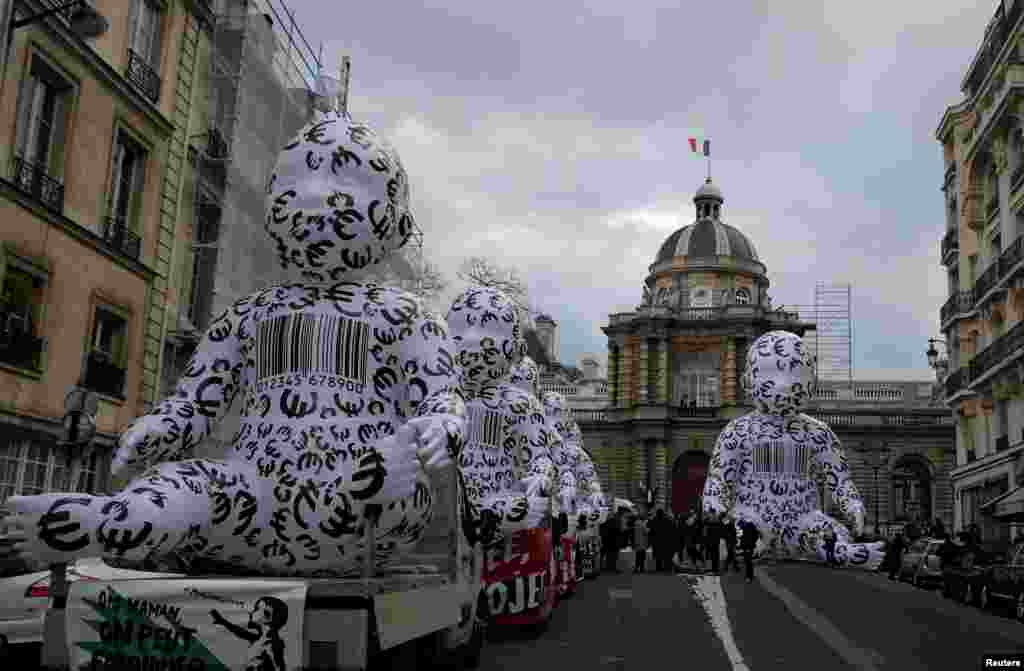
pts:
[186, 625]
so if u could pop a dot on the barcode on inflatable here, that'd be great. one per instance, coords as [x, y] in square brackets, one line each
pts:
[484, 427]
[305, 344]
[773, 458]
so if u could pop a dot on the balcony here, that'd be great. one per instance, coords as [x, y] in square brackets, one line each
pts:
[950, 246]
[33, 181]
[955, 382]
[998, 352]
[998, 32]
[1018, 177]
[949, 176]
[986, 281]
[585, 415]
[1011, 257]
[142, 75]
[117, 235]
[961, 302]
[21, 350]
[1002, 443]
[699, 411]
[103, 376]
[992, 208]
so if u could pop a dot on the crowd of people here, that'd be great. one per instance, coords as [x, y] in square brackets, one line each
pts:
[680, 541]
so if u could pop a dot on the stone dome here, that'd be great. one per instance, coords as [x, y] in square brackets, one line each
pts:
[708, 236]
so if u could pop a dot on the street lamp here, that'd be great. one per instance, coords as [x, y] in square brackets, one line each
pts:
[83, 19]
[875, 458]
[940, 365]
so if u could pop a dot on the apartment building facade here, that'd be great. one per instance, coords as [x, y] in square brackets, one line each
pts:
[95, 134]
[982, 249]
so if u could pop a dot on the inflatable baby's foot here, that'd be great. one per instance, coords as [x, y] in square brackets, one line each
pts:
[47, 528]
[866, 556]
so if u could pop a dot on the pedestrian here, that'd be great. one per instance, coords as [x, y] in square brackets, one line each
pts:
[663, 538]
[640, 540]
[694, 532]
[894, 557]
[679, 529]
[712, 540]
[610, 544]
[830, 547]
[748, 541]
[729, 536]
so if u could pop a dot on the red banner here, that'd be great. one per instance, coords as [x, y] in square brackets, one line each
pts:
[519, 583]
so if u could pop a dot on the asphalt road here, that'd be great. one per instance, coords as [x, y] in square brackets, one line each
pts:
[794, 616]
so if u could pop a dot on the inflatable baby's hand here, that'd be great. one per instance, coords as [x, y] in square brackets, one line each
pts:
[138, 448]
[539, 507]
[388, 472]
[435, 436]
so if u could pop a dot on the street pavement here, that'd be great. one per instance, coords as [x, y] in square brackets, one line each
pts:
[793, 616]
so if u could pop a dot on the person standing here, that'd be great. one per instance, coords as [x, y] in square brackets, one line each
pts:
[712, 540]
[692, 534]
[895, 555]
[748, 541]
[640, 541]
[663, 540]
[729, 536]
[610, 544]
[830, 547]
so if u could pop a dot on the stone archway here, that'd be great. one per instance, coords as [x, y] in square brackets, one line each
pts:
[688, 474]
[911, 490]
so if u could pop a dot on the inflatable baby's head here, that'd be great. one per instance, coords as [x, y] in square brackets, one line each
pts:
[525, 375]
[484, 325]
[337, 201]
[779, 373]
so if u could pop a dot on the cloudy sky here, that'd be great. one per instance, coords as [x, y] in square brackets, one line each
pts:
[552, 136]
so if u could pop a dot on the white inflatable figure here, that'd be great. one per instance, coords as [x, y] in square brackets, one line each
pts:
[565, 453]
[587, 484]
[768, 464]
[349, 392]
[505, 462]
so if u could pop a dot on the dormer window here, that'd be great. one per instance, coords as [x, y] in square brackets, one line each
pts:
[742, 296]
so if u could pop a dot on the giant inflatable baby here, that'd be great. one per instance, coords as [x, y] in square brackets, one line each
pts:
[349, 396]
[565, 453]
[506, 461]
[767, 465]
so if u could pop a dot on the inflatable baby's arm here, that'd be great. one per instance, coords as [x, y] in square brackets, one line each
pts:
[535, 461]
[434, 390]
[562, 455]
[723, 471]
[516, 512]
[175, 427]
[836, 474]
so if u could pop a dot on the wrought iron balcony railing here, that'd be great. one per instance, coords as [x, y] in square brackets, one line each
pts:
[986, 281]
[22, 350]
[999, 351]
[143, 76]
[992, 207]
[705, 411]
[1018, 176]
[103, 375]
[950, 244]
[700, 314]
[33, 181]
[955, 382]
[1002, 443]
[117, 235]
[960, 302]
[1011, 256]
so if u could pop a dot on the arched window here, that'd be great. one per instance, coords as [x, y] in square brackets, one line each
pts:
[742, 296]
[718, 209]
[911, 490]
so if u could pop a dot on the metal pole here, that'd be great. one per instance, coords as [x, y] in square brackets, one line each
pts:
[876, 499]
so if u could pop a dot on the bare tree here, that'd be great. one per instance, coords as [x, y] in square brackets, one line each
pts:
[409, 269]
[485, 271]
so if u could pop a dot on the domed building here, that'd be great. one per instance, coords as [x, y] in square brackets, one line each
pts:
[674, 363]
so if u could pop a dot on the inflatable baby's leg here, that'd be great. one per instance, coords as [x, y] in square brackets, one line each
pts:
[811, 542]
[155, 515]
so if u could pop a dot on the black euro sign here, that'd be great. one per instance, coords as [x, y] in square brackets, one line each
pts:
[342, 521]
[127, 540]
[372, 469]
[54, 535]
[296, 407]
[353, 259]
[208, 407]
[520, 508]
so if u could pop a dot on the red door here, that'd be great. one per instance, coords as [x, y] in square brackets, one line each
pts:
[688, 481]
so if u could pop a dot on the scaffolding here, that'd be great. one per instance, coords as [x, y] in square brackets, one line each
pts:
[833, 339]
[260, 82]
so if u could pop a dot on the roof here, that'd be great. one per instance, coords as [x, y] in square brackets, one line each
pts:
[707, 237]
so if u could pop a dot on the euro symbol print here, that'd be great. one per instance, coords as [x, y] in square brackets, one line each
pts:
[56, 525]
[372, 469]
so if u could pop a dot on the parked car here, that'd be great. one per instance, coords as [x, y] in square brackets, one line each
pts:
[25, 595]
[964, 574]
[1004, 582]
[921, 563]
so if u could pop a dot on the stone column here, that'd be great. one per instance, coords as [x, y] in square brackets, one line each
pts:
[662, 369]
[640, 464]
[625, 373]
[644, 372]
[613, 374]
[659, 478]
